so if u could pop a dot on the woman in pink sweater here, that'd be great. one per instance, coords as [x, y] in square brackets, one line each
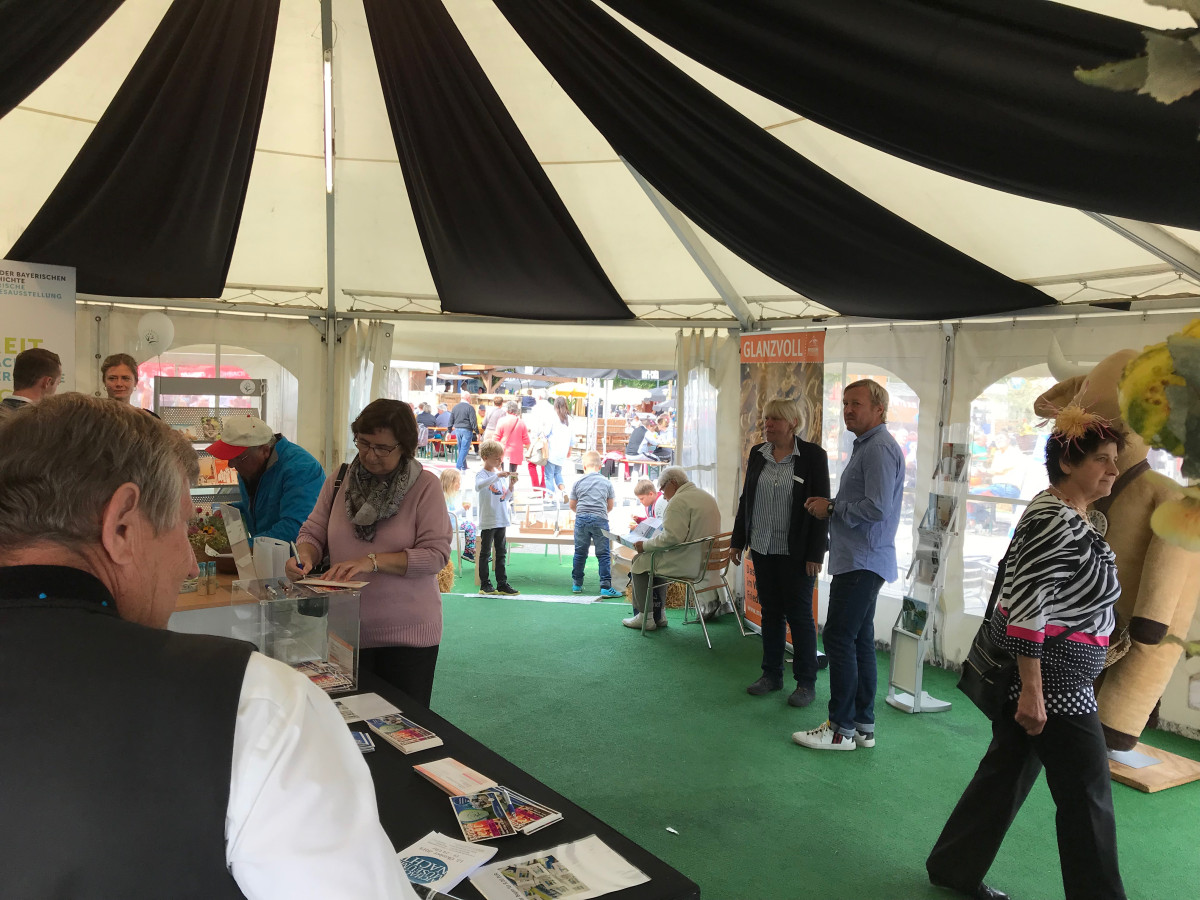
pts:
[386, 524]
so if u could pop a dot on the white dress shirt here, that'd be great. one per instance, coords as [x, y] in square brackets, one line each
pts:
[302, 819]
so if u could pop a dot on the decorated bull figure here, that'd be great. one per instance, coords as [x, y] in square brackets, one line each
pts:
[1160, 580]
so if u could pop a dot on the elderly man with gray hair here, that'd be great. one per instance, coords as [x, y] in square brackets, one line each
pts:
[140, 762]
[691, 514]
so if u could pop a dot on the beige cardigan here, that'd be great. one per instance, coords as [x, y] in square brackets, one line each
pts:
[692, 513]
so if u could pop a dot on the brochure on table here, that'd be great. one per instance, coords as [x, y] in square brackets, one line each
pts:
[440, 862]
[580, 870]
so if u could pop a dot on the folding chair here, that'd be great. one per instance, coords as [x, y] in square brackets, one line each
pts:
[714, 559]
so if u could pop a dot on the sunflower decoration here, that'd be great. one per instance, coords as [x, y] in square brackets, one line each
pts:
[1159, 396]
[1158, 391]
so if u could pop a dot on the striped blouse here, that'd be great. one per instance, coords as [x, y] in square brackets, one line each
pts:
[1061, 576]
[773, 503]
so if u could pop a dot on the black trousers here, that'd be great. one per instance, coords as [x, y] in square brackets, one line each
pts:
[1072, 750]
[785, 598]
[641, 580]
[408, 668]
[489, 538]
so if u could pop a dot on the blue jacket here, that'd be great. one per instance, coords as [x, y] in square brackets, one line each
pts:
[286, 494]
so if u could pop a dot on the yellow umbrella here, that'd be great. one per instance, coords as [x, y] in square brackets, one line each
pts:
[570, 389]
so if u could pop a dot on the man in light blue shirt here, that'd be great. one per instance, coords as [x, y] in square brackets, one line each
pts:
[863, 519]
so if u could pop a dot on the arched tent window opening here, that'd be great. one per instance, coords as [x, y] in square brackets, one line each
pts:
[902, 420]
[1007, 469]
[225, 361]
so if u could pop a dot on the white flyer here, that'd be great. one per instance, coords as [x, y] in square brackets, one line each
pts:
[367, 706]
[580, 870]
[646, 529]
[441, 862]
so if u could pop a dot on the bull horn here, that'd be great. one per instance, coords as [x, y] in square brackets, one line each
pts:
[1059, 367]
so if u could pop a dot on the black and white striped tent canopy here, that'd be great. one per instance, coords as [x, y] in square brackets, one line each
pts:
[554, 160]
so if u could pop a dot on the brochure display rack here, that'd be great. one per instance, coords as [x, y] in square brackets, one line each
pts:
[912, 635]
[195, 407]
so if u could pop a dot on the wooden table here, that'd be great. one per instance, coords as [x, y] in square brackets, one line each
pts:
[195, 600]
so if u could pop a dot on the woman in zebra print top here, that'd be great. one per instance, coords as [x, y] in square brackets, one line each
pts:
[1060, 579]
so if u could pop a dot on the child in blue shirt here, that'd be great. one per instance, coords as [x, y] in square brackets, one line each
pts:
[592, 499]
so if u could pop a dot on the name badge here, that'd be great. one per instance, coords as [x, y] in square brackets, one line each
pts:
[798, 478]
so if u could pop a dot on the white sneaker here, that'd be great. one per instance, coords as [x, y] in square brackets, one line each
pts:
[826, 737]
[636, 622]
[864, 738]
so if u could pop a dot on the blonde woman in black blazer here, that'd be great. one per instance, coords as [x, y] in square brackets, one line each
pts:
[787, 545]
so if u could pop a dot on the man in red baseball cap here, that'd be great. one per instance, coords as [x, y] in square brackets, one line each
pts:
[279, 480]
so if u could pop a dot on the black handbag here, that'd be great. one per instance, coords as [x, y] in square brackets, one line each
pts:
[989, 669]
[987, 672]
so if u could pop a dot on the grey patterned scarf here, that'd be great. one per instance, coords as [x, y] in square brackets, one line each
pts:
[370, 500]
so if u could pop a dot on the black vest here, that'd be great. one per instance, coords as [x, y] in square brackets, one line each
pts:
[116, 746]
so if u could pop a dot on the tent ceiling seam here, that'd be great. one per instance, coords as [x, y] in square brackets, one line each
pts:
[56, 115]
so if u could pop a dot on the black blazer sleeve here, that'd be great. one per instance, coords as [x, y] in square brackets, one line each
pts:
[746, 501]
[818, 531]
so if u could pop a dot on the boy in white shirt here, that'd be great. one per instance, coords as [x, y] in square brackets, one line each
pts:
[495, 489]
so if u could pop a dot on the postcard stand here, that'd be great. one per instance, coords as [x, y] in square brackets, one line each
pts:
[912, 635]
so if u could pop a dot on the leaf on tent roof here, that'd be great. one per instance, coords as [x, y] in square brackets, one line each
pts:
[1173, 66]
[1191, 7]
[1126, 75]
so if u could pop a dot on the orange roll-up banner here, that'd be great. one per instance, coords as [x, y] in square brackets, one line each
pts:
[787, 366]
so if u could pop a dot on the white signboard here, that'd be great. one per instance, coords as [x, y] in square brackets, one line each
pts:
[37, 309]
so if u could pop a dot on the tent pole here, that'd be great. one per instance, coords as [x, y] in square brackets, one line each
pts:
[1182, 257]
[331, 296]
[687, 236]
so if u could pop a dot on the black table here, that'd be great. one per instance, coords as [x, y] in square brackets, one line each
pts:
[410, 807]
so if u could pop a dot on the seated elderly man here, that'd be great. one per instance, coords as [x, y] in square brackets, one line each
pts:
[139, 762]
[691, 514]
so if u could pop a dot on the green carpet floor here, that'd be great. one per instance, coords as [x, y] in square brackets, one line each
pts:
[657, 731]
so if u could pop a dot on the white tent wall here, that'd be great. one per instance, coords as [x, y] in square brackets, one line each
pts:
[913, 353]
[631, 346]
[101, 329]
[364, 354]
[718, 352]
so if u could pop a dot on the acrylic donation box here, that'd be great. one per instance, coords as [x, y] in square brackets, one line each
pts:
[312, 629]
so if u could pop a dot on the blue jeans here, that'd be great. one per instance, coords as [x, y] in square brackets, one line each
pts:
[850, 646]
[463, 436]
[588, 531]
[785, 595]
[553, 477]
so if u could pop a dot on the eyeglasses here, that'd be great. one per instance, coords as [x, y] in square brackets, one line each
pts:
[377, 449]
[244, 457]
